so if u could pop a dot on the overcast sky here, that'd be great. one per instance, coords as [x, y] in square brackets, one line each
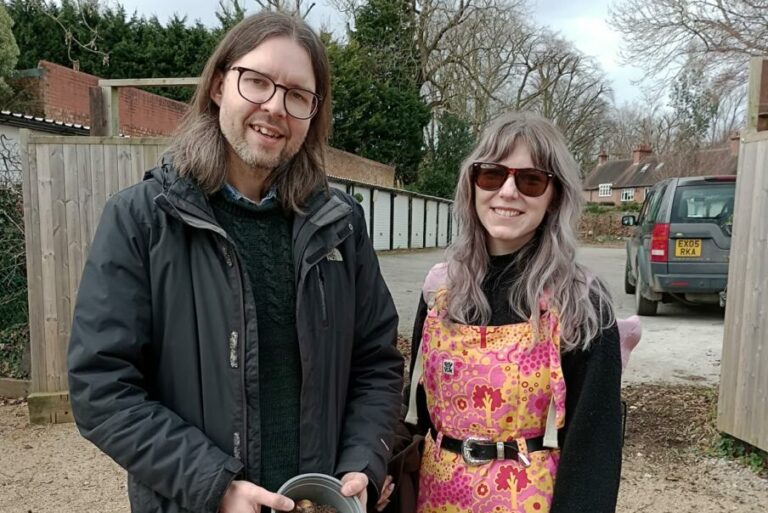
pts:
[580, 21]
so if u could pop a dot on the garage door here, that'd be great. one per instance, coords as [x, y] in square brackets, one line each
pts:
[442, 225]
[431, 231]
[400, 225]
[417, 223]
[382, 206]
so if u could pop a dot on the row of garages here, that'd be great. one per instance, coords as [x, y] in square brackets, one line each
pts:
[399, 219]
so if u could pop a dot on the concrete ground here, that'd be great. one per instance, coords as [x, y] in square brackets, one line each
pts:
[680, 345]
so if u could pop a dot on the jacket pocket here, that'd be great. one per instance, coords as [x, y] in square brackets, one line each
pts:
[323, 300]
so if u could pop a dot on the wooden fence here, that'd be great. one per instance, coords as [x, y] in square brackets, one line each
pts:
[67, 181]
[743, 402]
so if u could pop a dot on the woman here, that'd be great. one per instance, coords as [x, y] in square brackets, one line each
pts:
[518, 345]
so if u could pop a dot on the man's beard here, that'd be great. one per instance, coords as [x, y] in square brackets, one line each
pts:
[260, 161]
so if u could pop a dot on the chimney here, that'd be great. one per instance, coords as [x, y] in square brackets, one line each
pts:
[735, 142]
[602, 158]
[640, 152]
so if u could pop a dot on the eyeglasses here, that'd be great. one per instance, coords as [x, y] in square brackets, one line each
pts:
[529, 181]
[259, 88]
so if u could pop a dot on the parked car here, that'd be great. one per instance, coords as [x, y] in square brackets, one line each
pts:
[680, 247]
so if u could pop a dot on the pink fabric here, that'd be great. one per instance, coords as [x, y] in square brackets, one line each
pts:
[436, 278]
[630, 332]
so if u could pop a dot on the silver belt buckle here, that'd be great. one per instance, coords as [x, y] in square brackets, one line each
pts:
[466, 451]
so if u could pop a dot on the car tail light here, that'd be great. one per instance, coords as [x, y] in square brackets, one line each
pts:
[659, 242]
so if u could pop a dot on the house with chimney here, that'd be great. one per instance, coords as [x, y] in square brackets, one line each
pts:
[622, 181]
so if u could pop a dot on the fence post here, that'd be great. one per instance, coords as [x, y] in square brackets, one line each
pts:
[98, 113]
[757, 103]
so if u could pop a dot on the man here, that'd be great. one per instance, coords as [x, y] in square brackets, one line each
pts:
[232, 328]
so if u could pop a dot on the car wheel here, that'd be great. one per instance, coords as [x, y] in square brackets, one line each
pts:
[628, 287]
[643, 306]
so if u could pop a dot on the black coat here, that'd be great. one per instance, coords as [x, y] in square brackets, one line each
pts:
[163, 313]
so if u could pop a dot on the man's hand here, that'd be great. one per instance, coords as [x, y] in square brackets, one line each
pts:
[386, 493]
[246, 497]
[355, 484]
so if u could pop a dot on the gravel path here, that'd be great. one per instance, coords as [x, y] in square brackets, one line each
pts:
[51, 469]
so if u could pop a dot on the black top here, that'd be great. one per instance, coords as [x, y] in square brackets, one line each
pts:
[590, 465]
[262, 234]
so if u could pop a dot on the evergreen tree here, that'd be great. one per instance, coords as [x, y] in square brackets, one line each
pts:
[105, 42]
[378, 111]
[439, 171]
[9, 53]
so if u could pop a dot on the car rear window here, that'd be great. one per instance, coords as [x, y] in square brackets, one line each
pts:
[704, 203]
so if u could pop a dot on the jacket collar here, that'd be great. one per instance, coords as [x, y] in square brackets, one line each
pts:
[183, 199]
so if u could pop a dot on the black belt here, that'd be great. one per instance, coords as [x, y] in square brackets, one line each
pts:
[476, 451]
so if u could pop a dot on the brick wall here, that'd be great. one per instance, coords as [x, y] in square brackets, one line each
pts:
[347, 165]
[615, 197]
[66, 97]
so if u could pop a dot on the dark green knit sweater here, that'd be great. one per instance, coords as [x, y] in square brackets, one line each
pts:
[263, 238]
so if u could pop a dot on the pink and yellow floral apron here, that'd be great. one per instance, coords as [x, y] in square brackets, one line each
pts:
[493, 383]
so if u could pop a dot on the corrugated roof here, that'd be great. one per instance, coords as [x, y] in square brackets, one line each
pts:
[42, 124]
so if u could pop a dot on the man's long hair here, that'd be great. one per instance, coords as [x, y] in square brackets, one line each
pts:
[200, 150]
[547, 262]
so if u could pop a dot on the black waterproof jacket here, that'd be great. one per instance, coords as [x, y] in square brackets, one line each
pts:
[164, 312]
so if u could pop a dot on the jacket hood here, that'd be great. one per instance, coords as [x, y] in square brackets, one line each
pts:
[182, 191]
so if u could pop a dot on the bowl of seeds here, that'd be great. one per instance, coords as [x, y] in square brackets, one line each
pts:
[318, 493]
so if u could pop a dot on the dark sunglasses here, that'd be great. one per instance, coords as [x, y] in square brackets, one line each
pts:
[529, 181]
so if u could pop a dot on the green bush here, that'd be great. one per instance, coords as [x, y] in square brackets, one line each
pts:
[14, 318]
[599, 208]
[596, 208]
[631, 207]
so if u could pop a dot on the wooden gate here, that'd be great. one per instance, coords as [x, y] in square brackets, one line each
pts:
[743, 403]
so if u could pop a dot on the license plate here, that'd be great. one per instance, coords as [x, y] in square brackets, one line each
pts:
[688, 248]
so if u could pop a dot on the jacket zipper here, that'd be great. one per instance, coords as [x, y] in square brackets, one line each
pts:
[240, 440]
[321, 285]
[241, 351]
[233, 353]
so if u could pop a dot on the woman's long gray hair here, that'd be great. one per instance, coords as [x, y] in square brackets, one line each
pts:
[547, 263]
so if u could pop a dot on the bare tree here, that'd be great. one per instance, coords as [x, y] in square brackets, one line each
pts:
[662, 35]
[728, 115]
[10, 163]
[567, 87]
[470, 72]
[479, 58]
[90, 43]
[639, 123]
[463, 47]
[290, 6]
